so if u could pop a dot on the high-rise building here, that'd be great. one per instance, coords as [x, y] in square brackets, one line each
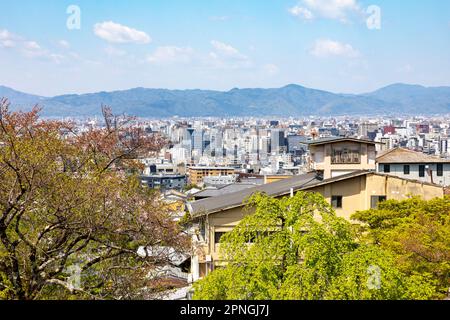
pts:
[277, 141]
[197, 141]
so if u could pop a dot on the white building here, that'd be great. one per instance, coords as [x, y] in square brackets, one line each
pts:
[414, 165]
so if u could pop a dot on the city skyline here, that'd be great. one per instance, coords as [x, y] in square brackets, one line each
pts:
[331, 45]
[226, 150]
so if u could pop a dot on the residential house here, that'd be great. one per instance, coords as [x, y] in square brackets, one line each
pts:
[410, 164]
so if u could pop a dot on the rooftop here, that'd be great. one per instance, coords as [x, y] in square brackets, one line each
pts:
[236, 199]
[230, 188]
[210, 168]
[279, 188]
[401, 155]
[163, 176]
[337, 139]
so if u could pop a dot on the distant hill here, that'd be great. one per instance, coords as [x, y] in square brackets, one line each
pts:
[414, 98]
[20, 99]
[291, 100]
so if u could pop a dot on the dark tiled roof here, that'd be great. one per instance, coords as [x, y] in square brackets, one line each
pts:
[279, 188]
[236, 199]
[337, 139]
[230, 188]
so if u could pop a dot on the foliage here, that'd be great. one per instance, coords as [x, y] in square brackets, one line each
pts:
[66, 201]
[297, 248]
[417, 232]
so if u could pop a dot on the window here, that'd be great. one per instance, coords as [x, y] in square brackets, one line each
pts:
[218, 236]
[345, 156]
[440, 169]
[422, 170]
[336, 202]
[375, 200]
[387, 168]
[406, 169]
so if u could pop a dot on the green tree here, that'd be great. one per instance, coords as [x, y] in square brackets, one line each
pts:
[68, 208]
[297, 248]
[417, 232]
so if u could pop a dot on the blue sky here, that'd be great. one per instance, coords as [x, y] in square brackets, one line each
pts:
[222, 44]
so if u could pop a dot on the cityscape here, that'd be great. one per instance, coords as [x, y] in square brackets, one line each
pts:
[250, 152]
[271, 147]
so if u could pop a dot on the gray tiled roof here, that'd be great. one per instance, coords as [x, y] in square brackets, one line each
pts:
[230, 188]
[400, 155]
[236, 199]
[279, 188]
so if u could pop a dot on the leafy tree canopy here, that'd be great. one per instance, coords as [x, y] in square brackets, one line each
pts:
[417, 232]
[297, 248]
[70, 207]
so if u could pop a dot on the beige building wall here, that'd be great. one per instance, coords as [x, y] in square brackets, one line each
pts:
[275, 178]
[399, 189]
[321, 156]
[356, 195]
[223, 222]
[353, 192]
[196, 175]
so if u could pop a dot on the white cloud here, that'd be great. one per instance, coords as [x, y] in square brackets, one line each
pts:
[271, 69]
[219, 18]
[32, 46]
[226, 56]
[225, 50]
[327, 48]
[27, 48]
[64, 44]
[407, 68]
[117, 33]
[32, 49]
[301, 12]
[7, 39]
[171, 54]
[328, 9]
[116, 52]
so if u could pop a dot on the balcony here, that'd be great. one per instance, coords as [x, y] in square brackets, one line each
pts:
[345, 157]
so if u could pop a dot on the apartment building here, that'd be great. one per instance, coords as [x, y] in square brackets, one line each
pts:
[198, 173]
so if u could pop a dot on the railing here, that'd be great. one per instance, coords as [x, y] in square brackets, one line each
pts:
[345, 158]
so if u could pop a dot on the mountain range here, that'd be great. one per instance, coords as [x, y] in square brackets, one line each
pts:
[290, 100]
